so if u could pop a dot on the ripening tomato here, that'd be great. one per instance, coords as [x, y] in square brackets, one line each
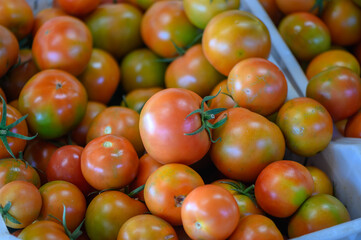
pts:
[258, 85]
[136, 98]
[55, 196]
[306, 125]
[101, 76]
[223, 100]
[115, 28]
[17, 16]
[78, 7]
[256, 227]
[163, 125]
[249, 142]
[63, 43]
[45, 15]
[322, 183]
[316, 213]
[341, 125]
[142, 69]
[25, 202]
[200, 12]
[343, 18]
[338, 89]
[108, 211]
[9, 50]
[44, 230]
[353, 126]
[282, 187]
[14, 169]
[272, 10]
[55, 101]
[232, 36]
[210, 212]
[109, 162]
[292, 6]
[332, 58]
[164, 25]
[305, 34]
[167, 187]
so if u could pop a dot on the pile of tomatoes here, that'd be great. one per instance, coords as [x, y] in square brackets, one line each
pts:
[160, 120]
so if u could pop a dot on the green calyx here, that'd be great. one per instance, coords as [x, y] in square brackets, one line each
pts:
[4, 212]
[5, 129]
[240, 188]
[319, 5]
[206, 116]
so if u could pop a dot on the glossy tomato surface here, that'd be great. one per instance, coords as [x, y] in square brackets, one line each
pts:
[322, 183]
[353, 126]
[44, 15]
[13, 169]
[78, 7]
[138, 97]
[223, 100]
[44, 230]
[9, 50]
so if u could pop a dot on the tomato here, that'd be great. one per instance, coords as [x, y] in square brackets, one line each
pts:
[118, 121]
[80, 132]
[200, 12]
[146, 227]
[142, 69]
[272, 9]
[282, 187]
[109, 162]
[9, 50]
[167, 187]
[255, 227]
[338, 89]
[343, 18]
[318, 212]
[306, 125]
[45, 15]
[192, 71]
[163, 125]
[17, 16]
[55, 101]
[353, 126]
[258, 85]
[13, 169]
[210, 212]
[147, 165]
[332, 58]
[341, 125]
[305, 34]
[292, 6]
[244, 196]
[15, 79]
[63, 43]
[101, 77]
[232, 36]
[78, 7]
[55, 196]
[222, 100]
[108, 211]
[44, 230]
[64, 165]
[165, 24]
[25, 202]
[322, 183]
[123, 18]
[137, 98]
[249, 143]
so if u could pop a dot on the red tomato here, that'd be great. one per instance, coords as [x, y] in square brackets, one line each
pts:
[78, 7]
[55, 101]
[45, 15]
[44, 230]
[64, 165]
[13, 169]
[232, 36]
[192, 71]
[55, 196]
[146, 227]
[305, 34]
[272, 10]
[343, 18]
[282, 187]
[163, 125]
[200, 12]
[63, 43]
[9, 50]
[138, 97]
[258, 85]
[167, 187]
[222, 100]
[115, 28]
[306, 125]
[353, 126]
[322, 183]
[109, 162]
[256, 227]
[210, 212]
[92, 110]
[118, 121]
[338, 89]
[108, 211]
[17, 16]
[292, 6]
[249, 143]
[318, 212]
[25, 202]
[165, 24]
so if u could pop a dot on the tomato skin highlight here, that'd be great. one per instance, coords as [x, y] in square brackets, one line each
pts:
[44, 230]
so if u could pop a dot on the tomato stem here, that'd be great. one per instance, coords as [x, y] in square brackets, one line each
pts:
[240, 188]
[136, 191]
[4, 212]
